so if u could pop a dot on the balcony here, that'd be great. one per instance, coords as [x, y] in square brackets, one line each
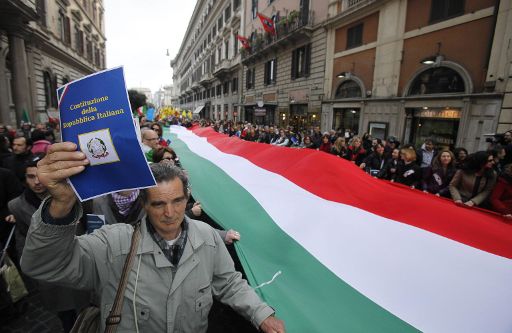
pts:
[345, 7]
[206, 79]
[289, 31]
[222, 68]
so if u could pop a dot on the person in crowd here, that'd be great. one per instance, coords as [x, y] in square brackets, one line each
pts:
[282, 140]
[499, 153]
[26, 129]
[157, 127]
[65, 302]
[367, 142]
[460, 154]
[388, 171]
[332, 136]
[325, 146]
[316, 136]
[264, 135]
[307, 143]
[356, 153]
[339, 148]
[10, 188]
[473, 184]
[174, 247]
[501, 196]
[16, 162]
[251, 135]
[391, 144]
[408, 172]
[149, 143]
[374, 162]
[425, 155]
[5, 150]
[166, 155]
[437, 178]
[507, 143]
[39, 142]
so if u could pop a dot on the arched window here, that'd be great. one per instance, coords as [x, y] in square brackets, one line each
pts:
[438, 80]
[348, 89]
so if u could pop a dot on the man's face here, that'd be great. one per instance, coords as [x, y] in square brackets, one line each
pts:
[429, 146]
[507, 137]
[151, 139]
[19, 146]
[33, 182]
[165, 207]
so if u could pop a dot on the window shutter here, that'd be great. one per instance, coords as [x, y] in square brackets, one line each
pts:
[67, 30]
[294, 64]
[274, 72]
[307, 60]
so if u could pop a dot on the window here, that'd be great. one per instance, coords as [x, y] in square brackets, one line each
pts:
[439, 80]
[50, 90]
[254, 8]
[249, 78]
[79, 40]
[234, 85]
[212, 93]
[348, 89]
[301, 61]
[88, 49]
[41, 11]
[236, 4]
[227, 13]
[226, 49]
[270, 72]
[64, 28]
[220, 23]
[226, 88]
[445, 9]
[355, 36]
[219, 90]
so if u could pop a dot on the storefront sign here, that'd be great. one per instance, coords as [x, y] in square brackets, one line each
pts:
[447, 114]
[259, 112]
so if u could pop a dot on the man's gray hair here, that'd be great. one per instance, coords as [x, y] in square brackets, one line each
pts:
[166, 173]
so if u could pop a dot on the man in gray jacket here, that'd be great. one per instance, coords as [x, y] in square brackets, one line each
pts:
[180, 263]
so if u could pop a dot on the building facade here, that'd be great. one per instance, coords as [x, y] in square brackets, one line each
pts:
[206, 69]
[418, 69]
[283, 77]
[43, 45]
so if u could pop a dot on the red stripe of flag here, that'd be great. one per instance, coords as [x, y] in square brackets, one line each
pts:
[338, 180]
[268, 24]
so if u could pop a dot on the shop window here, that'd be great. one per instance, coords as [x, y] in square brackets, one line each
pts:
[444, 9]
[301, 62]
[439, 80]
[270, 72]
[355, 36]
[348, 89]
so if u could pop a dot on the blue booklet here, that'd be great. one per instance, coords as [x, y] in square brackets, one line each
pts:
[95, 114]
[94, 222]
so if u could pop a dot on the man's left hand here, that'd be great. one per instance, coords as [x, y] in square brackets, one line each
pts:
[272, 325]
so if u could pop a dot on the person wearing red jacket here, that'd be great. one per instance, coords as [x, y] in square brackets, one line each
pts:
[501, 197]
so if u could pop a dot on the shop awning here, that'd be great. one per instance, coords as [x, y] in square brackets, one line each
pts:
[198, 109]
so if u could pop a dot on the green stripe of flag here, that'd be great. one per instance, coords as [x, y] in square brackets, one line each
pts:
[308, 296]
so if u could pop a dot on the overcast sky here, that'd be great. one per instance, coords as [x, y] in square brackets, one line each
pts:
[139, 34]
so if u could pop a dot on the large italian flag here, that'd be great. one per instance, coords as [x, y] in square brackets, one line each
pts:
[334, 250]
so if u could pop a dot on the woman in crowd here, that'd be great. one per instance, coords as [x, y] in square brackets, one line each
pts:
[437, 177]
[473, 184]
[158, 129]
[356, 153]
[389, 170]
[166, 155]
[325, 146]
[460, 157]
[307, 143]
[374, 163]
[408, 172]
[339, 148]
[501, 197]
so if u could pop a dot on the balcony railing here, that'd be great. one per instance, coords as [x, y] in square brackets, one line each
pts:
[287, 29]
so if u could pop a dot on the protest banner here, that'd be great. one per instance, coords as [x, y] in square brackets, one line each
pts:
[95, 114]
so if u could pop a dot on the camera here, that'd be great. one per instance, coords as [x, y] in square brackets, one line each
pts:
[494, 138]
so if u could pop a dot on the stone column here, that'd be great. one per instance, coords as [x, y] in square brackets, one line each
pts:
[21, 87]
[5, 111]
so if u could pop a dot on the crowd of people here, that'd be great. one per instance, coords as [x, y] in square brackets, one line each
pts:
[482, 179]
